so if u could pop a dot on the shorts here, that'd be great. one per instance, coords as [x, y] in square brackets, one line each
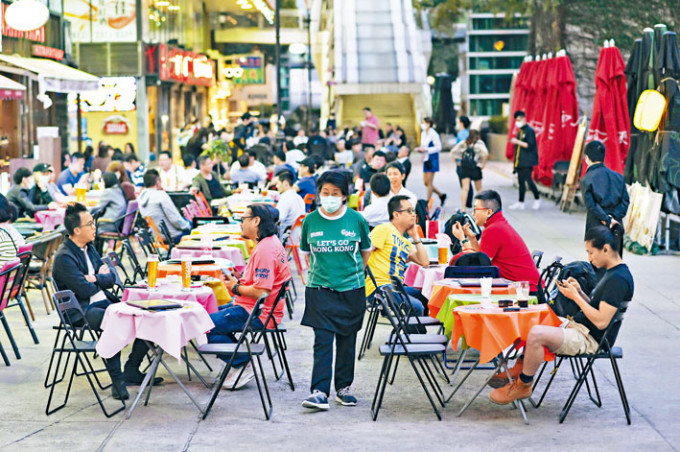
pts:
[473, 174]
[577, 340]
[431, 165]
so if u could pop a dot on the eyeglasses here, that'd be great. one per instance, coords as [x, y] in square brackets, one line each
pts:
[246, 218]
[409, 210]
[89, 224]
[481, 208]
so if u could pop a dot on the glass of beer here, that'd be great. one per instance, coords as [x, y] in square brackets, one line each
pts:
[522, 291]
[443, 255]
[153, 270]
[80, 194]
[186, 273]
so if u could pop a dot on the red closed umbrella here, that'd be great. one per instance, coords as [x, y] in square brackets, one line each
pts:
[610, 122]
[519, 99]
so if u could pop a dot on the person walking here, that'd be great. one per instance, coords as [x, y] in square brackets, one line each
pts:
[604, 191]
[335, 240]
[526, 157]
[470, 156]
[431, 144]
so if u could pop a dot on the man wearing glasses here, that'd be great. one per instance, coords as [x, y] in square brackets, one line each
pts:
[79, 268]
[504, 246]
[391, 250]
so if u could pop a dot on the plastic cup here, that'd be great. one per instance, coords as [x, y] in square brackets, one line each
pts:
[485, 285]
[186, 273]
[153, 270]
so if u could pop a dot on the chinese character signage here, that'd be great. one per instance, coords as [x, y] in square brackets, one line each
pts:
[185, 67]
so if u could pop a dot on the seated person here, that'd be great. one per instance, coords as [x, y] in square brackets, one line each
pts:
[80, 270]
[244, 173]
[155, 203]
[112, 203]
[45, 191]
[403, 158]
[172, 176]
[266, 271]
[254, 165]
[280, 165]
[10, 239]
[391, 250]
[343, 156]
[207, 181]
[584, 333]
[135, 169]
[190, 170]
[376, 165]
[499, 241]
[72, 175]
[293, 155]
[396, 173]
[290, 205]
[118, 169]
[471, 260]
[306, 184]
[20, 194]
[456, 247]
[377, 213]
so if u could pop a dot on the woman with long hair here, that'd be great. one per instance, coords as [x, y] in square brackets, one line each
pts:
[430, 144]
[118, 169]
[470, 156]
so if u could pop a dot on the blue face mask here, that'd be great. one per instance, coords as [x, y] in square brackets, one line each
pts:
[331, 204]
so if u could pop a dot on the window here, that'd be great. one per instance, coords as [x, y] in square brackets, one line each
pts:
[487, 107]
[490, 43]
[500, 23]
[495, 62]
[490, 83]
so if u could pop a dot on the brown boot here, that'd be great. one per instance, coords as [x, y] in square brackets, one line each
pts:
[501, 379]
[511, 392]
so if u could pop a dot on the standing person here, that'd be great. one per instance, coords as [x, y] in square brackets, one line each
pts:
[462, 135]
[604, 191]
[69, 178]
[172, 176]
[431, 144]
[370, 128]
[470, 156]
[136, 169]
[526, 157]
[337, 246]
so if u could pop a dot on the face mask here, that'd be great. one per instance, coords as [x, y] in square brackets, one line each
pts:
[31, 183]
[423, 126]
[43, 181]
[519, 124]
[331, 204]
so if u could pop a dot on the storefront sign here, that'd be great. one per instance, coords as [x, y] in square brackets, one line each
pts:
[5, 30]
[114, 94]
[102, 21]
[244, 69]
[186, 67]
[116, 125]
[48, 52]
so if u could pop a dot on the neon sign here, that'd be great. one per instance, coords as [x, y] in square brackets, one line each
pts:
[186, 67]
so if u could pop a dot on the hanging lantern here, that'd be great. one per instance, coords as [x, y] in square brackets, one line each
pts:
[650, 108]
[26, 15]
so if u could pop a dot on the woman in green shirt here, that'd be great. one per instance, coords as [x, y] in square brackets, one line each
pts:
[338, 246]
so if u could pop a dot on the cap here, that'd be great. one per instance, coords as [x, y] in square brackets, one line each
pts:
[309, 162]
[42, 168]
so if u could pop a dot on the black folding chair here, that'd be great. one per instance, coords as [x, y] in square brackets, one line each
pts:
[74, 326]
[417, 354]
[7, 277]
[246, 345]
[165, 232]
[548, 278]
[275, 332]
[372, 320]
[137, 271]
[537, 257]
[118, 286]
[18, 291]
[414, 323]
[455, 271]
[605, 350]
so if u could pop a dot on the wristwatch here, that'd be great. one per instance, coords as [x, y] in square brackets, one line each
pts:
[235, 290]
[418, 242]
[465, 240]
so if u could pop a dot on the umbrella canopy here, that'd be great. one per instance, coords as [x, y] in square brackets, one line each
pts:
[519, 99]
[632, 76]
[443, 114]
[610, 121]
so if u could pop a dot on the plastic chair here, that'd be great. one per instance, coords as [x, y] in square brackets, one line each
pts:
[204, 205]
[309, 201]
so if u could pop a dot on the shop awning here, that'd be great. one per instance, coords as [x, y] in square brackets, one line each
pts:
[53, 76]
[9, 89]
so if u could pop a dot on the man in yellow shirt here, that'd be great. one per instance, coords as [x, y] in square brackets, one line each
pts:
[391, 250]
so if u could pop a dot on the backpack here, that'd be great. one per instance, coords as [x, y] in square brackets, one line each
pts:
[584, 273]
[467, 160]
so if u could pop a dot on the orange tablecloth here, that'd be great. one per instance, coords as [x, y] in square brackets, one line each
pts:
[202, 270]
[445, 287]
[491, 330]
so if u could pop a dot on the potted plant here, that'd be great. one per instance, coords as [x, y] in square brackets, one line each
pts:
[218, 150]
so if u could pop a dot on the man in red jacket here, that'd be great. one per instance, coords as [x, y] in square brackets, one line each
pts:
[499, 241]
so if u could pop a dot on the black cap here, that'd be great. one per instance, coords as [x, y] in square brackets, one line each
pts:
[42, 168]
[309, 162]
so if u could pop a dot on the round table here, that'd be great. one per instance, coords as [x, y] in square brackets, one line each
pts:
[50, 219]
[234, 254]
[173, 291]
[423, 278]
[492, 330]
[443, 288]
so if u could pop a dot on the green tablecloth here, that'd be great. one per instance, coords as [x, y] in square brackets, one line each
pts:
[445, 314]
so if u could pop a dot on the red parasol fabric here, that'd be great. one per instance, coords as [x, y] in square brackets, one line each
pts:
[519, 98]
[610, 122]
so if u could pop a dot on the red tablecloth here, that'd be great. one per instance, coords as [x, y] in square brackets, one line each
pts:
[173, 291]
[491, 330]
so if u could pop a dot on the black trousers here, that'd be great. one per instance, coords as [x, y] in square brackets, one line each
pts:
[524, 178]
[345, 351]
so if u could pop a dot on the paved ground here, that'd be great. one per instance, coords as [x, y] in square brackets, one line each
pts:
[649, 338]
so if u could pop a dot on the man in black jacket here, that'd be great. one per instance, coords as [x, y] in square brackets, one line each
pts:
[21, 194]
[604, 191]
[79, 268]
[526, 157]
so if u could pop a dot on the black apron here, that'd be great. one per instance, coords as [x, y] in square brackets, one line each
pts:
[339, 312]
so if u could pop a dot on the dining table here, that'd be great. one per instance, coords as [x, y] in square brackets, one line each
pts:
[167, 290]
[442, 288]
[50, 219]
[231, 253]
[423, 278]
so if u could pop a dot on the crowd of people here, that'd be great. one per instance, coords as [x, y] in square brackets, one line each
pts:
[316, 178]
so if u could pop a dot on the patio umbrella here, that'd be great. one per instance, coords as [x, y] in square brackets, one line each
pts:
[632, 75]
[645, 140]
[443, 114]
[519, 100]
[610, 121]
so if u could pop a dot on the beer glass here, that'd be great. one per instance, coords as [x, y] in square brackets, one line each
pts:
[186, 273]
[153, 270]
[443, 254]
[522, 291]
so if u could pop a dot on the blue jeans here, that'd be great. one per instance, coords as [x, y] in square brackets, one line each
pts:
[178, 238]
[227, 322]
[417, 305]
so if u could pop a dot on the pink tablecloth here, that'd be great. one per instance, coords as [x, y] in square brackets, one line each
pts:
[235, 255]
[423, 277]
[50, 219]
[203, 295]
[171, 330]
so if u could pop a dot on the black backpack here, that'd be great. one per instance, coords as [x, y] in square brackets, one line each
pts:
[584, 273]
[467, 160]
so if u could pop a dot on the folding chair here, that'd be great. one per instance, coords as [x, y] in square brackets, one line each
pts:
[43, 252]
[158, 241]
[372, 320]
[8, 273]
[126, 222]
[18, 291]
[413, 321]
[309, 201]
[454, 271]
[118, 285]
[605, 350]
[418, 356]
[275, 332]
[248, 339]
[549, 276]
[537, 257]
[73, 321]
[293, 248]
[137, 270]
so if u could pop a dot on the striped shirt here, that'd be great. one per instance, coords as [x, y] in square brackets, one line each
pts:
[8, 247]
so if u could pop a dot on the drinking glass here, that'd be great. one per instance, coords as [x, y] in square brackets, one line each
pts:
[522, 291]
[186, 273]
[207, 245]
[443, 254]
[153, 270]
[485, 285]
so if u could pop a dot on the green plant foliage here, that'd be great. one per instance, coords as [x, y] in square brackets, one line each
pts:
[498, 124]
[218, 149]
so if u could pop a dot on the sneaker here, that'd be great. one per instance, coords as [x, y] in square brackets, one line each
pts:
[442, 199]
[509, 393]
[536, 205]
[316, 401]
[517, 206]
[501, 379]
[231, 382]
[345, 398]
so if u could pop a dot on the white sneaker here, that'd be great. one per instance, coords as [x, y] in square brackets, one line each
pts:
[231, 383]
[517, 206]
[536, 205]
